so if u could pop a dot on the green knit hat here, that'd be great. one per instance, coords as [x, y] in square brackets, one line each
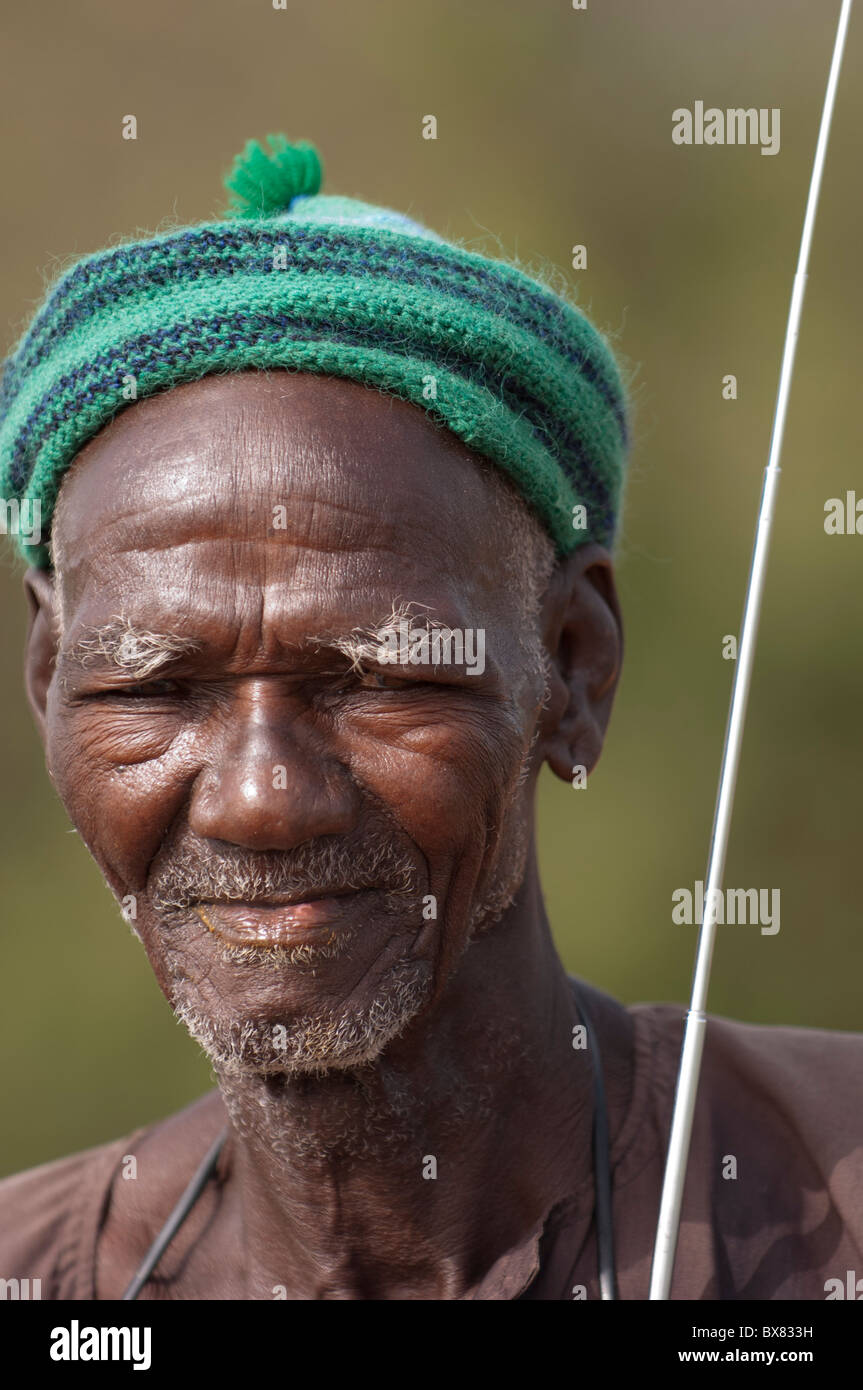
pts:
[294, 279]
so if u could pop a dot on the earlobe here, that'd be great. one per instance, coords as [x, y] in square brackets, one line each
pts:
[584, 637]
[41, 650]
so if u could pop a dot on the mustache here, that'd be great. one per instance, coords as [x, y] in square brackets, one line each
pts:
[192, 872]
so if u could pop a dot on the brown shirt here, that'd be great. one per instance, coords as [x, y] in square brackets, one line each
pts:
[773, 1206]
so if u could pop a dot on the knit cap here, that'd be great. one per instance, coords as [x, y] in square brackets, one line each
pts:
[290, 278]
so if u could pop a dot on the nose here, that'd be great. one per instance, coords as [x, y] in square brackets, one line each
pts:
[269, 781]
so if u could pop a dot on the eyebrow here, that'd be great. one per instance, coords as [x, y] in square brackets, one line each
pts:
[136, 652]
[362, 645]
[141, 653]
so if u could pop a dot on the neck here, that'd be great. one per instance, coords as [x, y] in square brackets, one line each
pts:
[410, 1176]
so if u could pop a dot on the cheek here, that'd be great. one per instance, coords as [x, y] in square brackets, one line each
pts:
[119, 810]
[447, 783]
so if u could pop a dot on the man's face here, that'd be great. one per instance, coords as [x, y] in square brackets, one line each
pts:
[307, 840]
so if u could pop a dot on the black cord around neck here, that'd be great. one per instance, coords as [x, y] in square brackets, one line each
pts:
[608, 1290]
[204, 1172]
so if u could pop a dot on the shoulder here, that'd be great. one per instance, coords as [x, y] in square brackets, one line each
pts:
[774, 1190]
[777, 1054]
[801, 1083]
[44, 1216]
[50, 1216]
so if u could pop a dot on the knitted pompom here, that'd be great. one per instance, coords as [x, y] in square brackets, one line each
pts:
[264, 182]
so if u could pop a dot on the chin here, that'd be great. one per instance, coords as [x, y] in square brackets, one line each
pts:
[321, 1040]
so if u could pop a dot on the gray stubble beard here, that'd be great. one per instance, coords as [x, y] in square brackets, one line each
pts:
[313, 1044]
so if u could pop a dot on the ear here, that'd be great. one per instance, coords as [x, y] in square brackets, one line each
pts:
[584, 640]
[41, 649]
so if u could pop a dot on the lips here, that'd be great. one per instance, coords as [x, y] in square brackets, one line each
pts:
[281, 922]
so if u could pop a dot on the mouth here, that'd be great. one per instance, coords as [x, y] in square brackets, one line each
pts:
[282, 921]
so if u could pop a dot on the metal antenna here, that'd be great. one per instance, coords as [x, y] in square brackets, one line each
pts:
[693, 1038]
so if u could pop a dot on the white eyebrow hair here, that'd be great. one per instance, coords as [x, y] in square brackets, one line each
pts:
[137, 652]
[141, 653]
[363, 644]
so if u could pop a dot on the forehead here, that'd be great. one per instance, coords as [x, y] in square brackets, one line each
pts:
[240, 490]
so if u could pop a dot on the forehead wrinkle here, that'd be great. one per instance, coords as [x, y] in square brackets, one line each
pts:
[257, 529]
[253, 475]
[293, 575]
[300, 590]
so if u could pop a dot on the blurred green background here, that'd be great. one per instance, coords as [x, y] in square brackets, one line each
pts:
[554, 128]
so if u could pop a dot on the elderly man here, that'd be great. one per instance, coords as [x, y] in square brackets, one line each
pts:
[325, 580]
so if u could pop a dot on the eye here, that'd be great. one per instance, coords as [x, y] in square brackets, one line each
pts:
[146, 690]
[381, 680]
[361, 679]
